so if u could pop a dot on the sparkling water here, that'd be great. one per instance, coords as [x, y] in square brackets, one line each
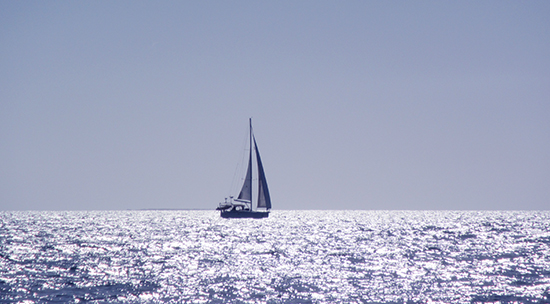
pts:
[290, 257]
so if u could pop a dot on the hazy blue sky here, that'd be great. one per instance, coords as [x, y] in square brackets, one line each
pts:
[355, 104]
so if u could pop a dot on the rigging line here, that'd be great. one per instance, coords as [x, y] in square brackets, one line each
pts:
[234, 188]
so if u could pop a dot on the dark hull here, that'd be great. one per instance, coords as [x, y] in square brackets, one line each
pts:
[244, 214]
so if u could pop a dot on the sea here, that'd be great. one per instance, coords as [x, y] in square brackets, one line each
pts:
[177, 256]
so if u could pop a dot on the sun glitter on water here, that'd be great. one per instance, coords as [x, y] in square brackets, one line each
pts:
[290, 257]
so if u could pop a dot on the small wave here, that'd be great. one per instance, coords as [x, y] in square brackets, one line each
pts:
[294, 257]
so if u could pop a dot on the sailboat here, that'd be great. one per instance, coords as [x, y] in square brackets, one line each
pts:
[241, 207]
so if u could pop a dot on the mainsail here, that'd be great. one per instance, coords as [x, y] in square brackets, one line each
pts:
[264, 201]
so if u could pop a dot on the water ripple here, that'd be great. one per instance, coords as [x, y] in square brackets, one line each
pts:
[291, 257]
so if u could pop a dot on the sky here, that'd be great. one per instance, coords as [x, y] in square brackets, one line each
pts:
[358, 105]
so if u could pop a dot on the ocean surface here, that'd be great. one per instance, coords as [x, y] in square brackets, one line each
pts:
[291, 257]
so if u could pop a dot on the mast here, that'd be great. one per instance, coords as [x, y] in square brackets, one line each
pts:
[250, 158]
